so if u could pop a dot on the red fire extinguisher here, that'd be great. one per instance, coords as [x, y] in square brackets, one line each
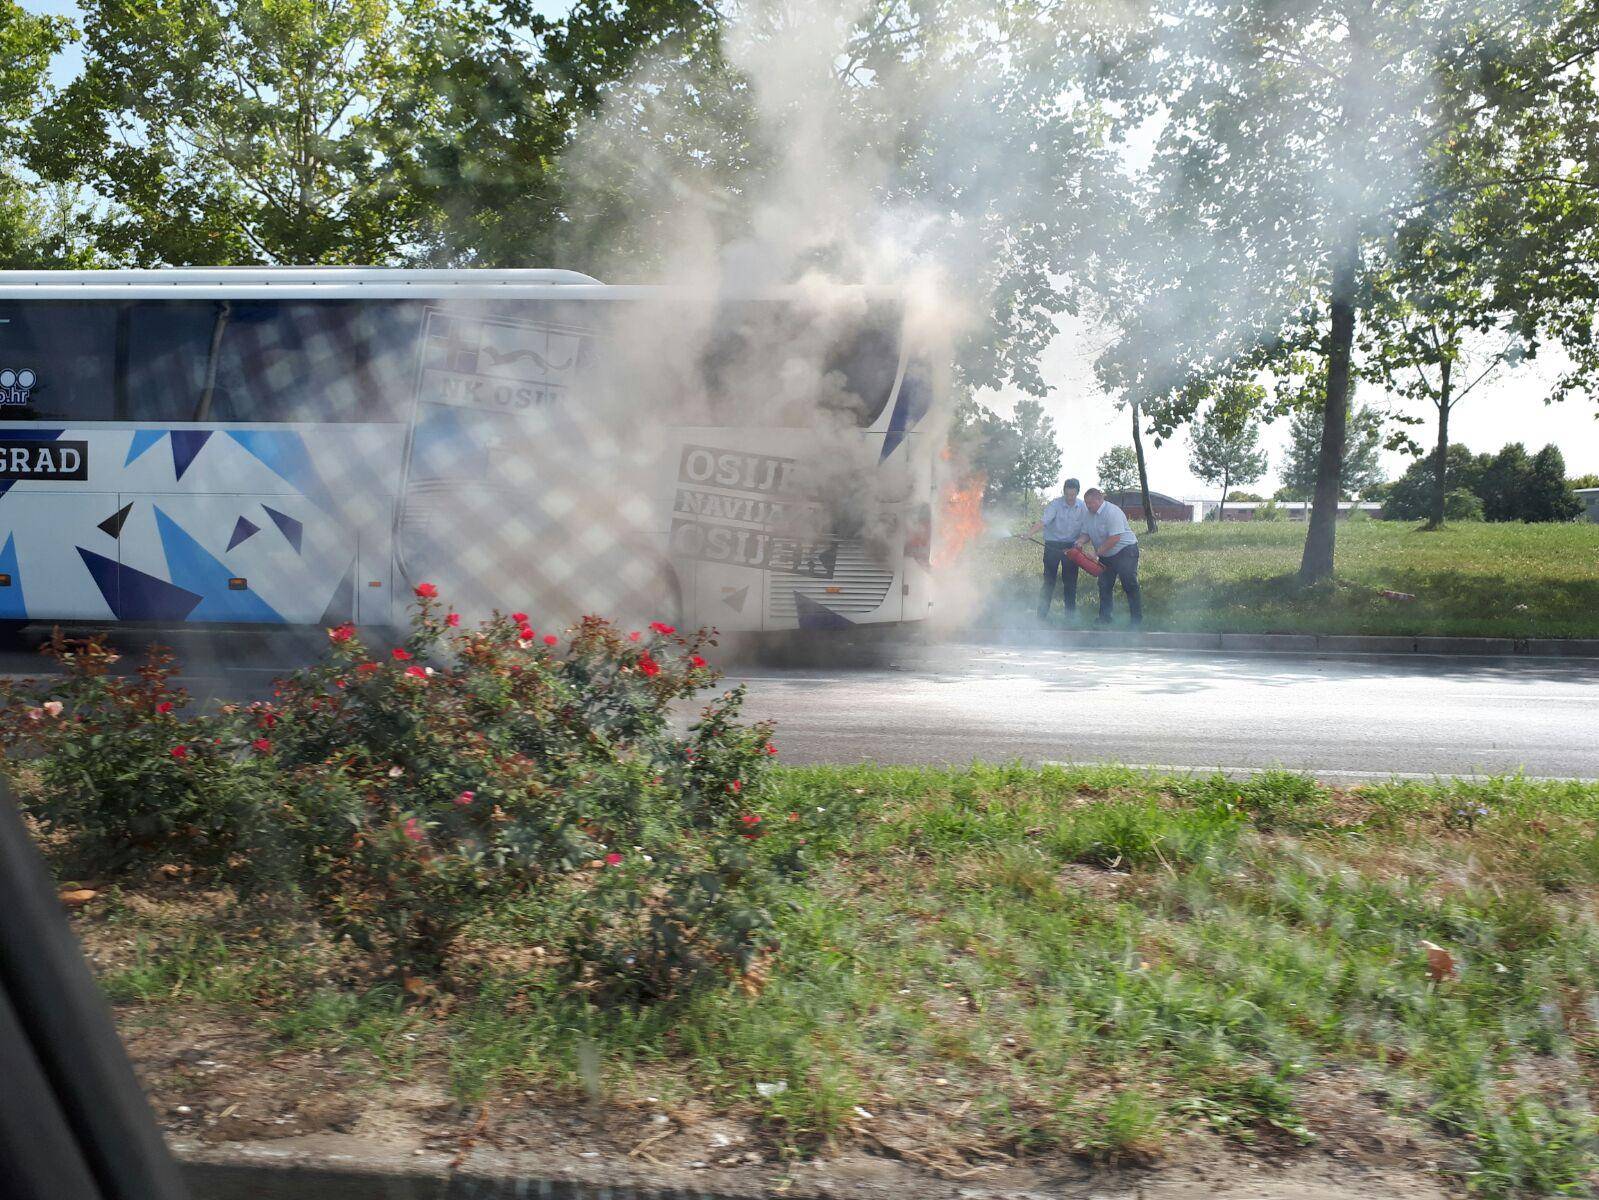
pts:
[1092, 566]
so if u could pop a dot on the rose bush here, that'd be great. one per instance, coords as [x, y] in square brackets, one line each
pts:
[117, 774]
[400, 791]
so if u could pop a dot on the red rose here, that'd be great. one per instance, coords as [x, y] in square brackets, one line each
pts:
[262, 745]
[550, 639]
[519, 618]
[368, 668]
[697, 661]
[427, 591]
[612, 859]
[452, 620]
[400, 654]
[771, 749]
[180, 752]
[648, 665]
[750, 819]
[418, 672]
[525, 634]
[466, 798]
[164, 707]
[268, 720]
[735, 786]
[342, 633]
[634, 636]
[662, 628]
[413, 829]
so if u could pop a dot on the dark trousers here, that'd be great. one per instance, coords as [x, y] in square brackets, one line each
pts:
[1122, 565]
[1055, 559]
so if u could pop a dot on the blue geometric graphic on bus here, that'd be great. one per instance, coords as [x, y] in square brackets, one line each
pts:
[342, 607]
[143, 439]
[284, 453]
[193, 567]
[242, 530]
[915, 402]
[40, 435]
[134, 596]
[816, 616]
[186, 443]
[12, 606]
[287, 525]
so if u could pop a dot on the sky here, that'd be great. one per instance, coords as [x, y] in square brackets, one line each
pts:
[1509, 407]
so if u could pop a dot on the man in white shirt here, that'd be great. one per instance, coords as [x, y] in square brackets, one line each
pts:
[1117, 547]
[1065, 519]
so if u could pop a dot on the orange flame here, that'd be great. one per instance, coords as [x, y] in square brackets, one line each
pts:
[960, 518]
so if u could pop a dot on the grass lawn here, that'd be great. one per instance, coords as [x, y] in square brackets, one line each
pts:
[1474, 579]
[1000, 965]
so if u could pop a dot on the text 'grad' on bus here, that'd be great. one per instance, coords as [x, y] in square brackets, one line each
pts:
[302, 446]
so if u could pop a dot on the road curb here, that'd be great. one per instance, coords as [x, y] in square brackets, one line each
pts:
[1294, 643]
[246, 1171]
[239, 1180]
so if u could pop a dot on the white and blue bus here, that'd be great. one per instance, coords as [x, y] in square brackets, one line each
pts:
[299, 446]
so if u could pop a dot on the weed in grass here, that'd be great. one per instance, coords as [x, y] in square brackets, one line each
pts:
[376, 1021]
[1126, 1127]
[1142, 834]
[203, 967]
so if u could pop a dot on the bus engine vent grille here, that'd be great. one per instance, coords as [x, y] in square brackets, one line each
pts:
[859, 585]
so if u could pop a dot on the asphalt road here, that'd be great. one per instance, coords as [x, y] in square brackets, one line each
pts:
[952, 704]
[1347, 718]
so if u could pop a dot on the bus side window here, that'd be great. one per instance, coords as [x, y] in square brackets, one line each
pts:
[316, 361]
[163, 347]
[68, 348]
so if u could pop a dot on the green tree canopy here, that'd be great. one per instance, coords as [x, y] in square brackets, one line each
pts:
[27, 44]
[1508, 486]
[1225, 445]
[1118, 469]
[1362, 469]
[254, 131]
[1018, 458]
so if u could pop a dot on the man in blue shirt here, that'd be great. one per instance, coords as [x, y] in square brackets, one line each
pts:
[1117, 547]
[1065, 519]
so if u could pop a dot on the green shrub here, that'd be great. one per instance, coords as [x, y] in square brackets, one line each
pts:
[402, 793]
[1462, 505]
[116, 775]
[1271, 511]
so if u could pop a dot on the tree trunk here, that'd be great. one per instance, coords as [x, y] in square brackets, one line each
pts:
[1143, 475]
[1317, 562]
[202, 410]
[1440, 466]
[1221, 509]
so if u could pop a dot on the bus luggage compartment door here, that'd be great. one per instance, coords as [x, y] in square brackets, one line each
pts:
[251, 559]
[59, 555]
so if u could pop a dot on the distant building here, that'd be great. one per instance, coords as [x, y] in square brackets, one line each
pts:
[1590, 501]
[1294, 510]
[1167, 508]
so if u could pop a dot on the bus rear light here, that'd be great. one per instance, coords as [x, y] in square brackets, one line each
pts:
[375, 583]
[833, 591]
[5, 581]
[238, 584]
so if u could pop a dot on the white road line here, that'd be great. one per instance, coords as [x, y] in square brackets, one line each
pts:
[1173, 769]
